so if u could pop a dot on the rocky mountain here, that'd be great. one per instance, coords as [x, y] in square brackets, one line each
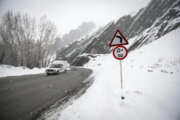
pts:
[151, 22]
[84, 29]
[168, 21]
[77, 48]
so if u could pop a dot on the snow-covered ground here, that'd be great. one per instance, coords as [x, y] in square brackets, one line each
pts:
[8, 70]
[151, 85]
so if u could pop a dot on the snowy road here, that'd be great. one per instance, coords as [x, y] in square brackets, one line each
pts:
[22, 96]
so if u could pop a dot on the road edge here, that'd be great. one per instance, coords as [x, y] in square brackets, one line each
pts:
[66, 100]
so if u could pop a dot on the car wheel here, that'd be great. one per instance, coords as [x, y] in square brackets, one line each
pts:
[57, 72]
[47, 74]
[65, 71]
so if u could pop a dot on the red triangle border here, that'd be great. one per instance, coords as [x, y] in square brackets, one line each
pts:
[121, 36]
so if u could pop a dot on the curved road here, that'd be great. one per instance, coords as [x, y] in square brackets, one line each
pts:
[22, 96]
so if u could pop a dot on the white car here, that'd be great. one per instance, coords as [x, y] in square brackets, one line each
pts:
[57, 67]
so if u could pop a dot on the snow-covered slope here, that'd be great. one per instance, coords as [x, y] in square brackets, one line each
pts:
[151, 85]
[8, 70]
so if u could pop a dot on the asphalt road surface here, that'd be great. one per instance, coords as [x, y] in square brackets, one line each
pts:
[22, 96]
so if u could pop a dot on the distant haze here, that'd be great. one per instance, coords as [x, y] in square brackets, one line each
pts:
[68, 14]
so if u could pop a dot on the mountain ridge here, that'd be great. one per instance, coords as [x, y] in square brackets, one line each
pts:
[151, 22]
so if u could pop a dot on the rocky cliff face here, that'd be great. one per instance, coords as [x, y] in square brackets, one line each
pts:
[155, 20]
[84, 29]
[168, 21]
[73, 50]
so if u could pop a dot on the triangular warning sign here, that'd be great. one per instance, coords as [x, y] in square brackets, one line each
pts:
[118, 39]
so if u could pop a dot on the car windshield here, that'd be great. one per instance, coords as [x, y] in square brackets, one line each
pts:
[56, 66]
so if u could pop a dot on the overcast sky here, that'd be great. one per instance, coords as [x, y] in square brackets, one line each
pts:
[68, 14]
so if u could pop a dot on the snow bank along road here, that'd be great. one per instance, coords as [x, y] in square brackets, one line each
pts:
[22, 96]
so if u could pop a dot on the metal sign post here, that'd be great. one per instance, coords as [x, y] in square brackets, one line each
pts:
[121, 77]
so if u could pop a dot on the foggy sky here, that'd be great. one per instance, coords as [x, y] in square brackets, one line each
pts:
[68, 14]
